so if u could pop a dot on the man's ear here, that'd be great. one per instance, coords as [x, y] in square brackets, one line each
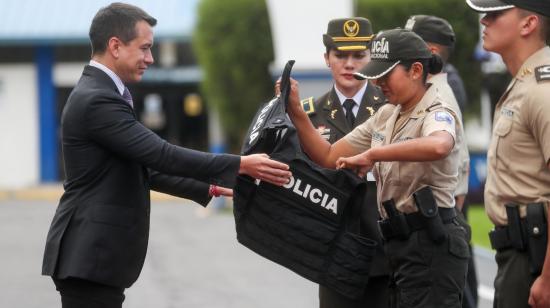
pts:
[529, 24]
[113, 47]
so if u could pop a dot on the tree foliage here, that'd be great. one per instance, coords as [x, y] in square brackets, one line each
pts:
[388, 14]
[233, 46]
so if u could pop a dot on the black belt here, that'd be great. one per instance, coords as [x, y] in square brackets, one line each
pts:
[415, 222]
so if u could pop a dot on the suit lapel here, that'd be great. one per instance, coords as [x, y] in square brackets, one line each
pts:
[104, 79]
[334, 113]
[101, 77]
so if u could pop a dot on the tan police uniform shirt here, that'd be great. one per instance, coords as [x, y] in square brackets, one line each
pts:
[447, 95]
[400, 179]
[519, 153]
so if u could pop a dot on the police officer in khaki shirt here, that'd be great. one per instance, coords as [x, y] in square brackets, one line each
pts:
[440, 37]
[517, 190]
[411, 143]
[349, 103]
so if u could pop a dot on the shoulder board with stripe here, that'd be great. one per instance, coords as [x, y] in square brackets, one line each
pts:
[429, 109]
[308, 105]
[542, 73]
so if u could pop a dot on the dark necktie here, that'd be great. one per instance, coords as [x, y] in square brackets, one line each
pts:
[128, 97]
[348, 105]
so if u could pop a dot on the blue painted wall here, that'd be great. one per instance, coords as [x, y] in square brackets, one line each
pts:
[47, 115]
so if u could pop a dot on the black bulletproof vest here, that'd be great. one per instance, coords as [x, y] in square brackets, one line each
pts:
[304, 225]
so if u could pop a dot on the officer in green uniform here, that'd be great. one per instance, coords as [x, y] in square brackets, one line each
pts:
[349, 103]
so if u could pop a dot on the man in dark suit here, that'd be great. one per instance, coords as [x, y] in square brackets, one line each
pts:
[97, 241]
[349, 103]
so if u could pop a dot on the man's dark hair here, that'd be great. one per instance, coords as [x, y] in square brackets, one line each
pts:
[544, 24]
[545, 28]
[116, 20]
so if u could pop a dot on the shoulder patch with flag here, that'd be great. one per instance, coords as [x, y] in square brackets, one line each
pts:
[443, 116]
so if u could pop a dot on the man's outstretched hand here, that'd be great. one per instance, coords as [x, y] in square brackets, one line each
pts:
[260, 166]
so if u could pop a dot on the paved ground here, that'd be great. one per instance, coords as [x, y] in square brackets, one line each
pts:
[193, 261]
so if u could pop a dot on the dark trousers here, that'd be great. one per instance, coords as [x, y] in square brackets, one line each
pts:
[79, 293]
[470, 297]
[513, 280]
[376, 296]
[427, 275]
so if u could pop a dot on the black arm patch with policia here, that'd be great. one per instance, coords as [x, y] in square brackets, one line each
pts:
[305, 224]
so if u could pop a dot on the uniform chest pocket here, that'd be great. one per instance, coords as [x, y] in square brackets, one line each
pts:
[503, 127]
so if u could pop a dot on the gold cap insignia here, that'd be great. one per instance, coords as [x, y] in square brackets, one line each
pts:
[351, 28]
[375, 97]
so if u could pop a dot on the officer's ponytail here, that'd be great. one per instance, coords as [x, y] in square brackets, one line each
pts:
[435, 64]
[431, 65]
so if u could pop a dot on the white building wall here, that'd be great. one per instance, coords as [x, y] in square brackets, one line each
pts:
[297, 29]
[19, 125]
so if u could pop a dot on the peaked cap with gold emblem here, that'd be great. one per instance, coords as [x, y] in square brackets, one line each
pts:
[348, 34]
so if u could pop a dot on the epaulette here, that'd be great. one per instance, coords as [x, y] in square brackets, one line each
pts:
[429, 109]
[542, 73]
[308, 105]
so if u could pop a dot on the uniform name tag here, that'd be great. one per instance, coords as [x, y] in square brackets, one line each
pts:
[507, 112]
[377, 136]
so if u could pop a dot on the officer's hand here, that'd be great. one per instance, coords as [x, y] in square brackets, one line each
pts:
[539, 296]
[360, 163]
[294, 105]
[260, 167]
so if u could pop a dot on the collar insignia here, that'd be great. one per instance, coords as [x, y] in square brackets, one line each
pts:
[371, 111]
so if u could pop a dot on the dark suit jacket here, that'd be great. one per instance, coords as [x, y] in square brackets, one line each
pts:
[329, 118]
[101, 226]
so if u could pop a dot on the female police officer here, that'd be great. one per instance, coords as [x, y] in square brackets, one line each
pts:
[349, 103]
[411, 145]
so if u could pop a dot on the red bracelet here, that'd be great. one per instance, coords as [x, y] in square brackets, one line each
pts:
[213, 191]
